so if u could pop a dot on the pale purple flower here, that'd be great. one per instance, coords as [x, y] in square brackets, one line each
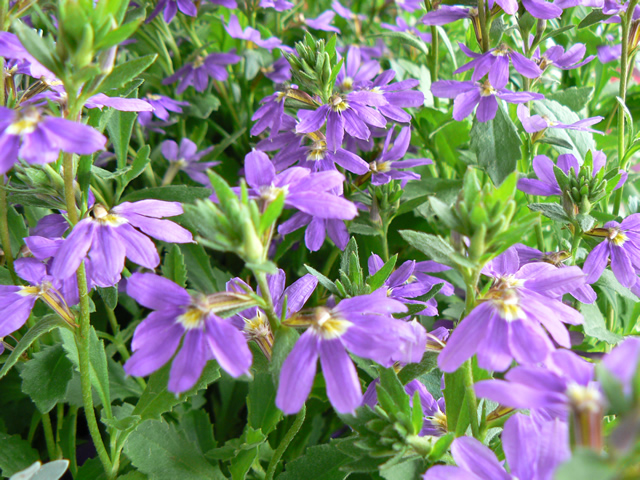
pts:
[538, 123]
[270, 114]
[250, 34]
[446, 14]
[279, 71]
[317, 230]
[303, 190]
[16, 301]
[364, 326]
[346, 13]
[622, 244]
[546, 184]
[622, 362]
[351, 113]
[197, 73]
[402, 26]
[508, 322]
[58, 94]
[540, 8]
[355, 72]
[564, 383]
[171, 7]
[469, 94]
[495, 62]
[188, 158]
[509, 6]
[534, 448]
[177, 315]
[397, 95]
[37, 139]
[322, 22]
[161, 106]
[11, 48]
[389, 164]
[277, 5]
[556, 56]
[410, 5]
[609, 53]
[108, 236]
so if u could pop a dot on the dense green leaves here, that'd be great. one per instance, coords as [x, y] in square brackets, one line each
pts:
[45, 377]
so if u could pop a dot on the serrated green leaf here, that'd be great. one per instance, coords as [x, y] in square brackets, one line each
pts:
[320, 462]
[125, 72]
[550, 210]
[15, 454]
[170, 193]
[174, 267]
[376, 280]
[595, 325]
[45, 377]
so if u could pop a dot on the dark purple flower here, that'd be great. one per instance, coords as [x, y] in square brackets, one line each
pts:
[565, 383]
[178, 314]
[495, 62]
[469, 94]
[364, 326]
[303, 190]
[508, 323]
[108, 236]
[197, 74]
[445, 14]
[621, 244]
[356, 73]
[534, 448]
[317, 230]
[538, 123]
[161, 107]
[16, 301]
[171, 7]
[37, 139]
[318, 158]
[389, 165]
[351, 113]
[186, 157]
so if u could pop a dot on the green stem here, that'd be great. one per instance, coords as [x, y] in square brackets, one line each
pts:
[435, 66]
[274, 321]
[293, 431]
[539, 235]
[471, 397]
[52, 447]
[575, 243]
[4, 233]
[384, 231]
[484, 31]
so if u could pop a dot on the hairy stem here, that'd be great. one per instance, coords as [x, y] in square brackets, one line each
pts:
[52, 447]
[471, 397]
[293, 431]
[4, 233]
[274, 321]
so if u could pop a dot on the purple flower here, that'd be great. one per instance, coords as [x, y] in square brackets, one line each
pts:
[171, 7]
[409, 5]
[356, 73]
[186, 157]
[406, 283]
[279, 71]
[278, 5]
[388, 166]
[303, 190]
[565, 383]
[568, 60]
[534, 449]
[621, 244]
[609, 53]
[402, 26]
[469, 94]
[546, 184]
[622, 362]
[16, 302]
[508, 323]
[197, 74]
[37, 139]
[364, 326]
[495, 62]
[58, 94]
[108, 236]
[397, 95]
[161, 106]
[178, 314]
[445, 14]
[351, 113]
[322, 22]
[346, 13]
[538, 123]
[540, 9]
[249, 34]
[10, 47]
[317, 230]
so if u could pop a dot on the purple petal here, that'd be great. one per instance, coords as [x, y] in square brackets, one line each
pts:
[343, 385]
[229, 346]
[74, 249]
[156, 292]
[188, 364]
[297, 374]
[475, 457]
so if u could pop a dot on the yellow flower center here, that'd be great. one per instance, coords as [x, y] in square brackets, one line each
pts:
[486, 89]
[153, 96]
[439, 421]
[501, 50]
[317, 151]
[507, 302]
[380, 167]
[585, 398]
[327, 326]
[338, 104]
[26, 122]
[617, 237]
[258, 326]
[347, 83]
[30, 291]
[271, 192]
[105, 217]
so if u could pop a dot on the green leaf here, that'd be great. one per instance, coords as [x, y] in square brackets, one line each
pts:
[435, 248]
[595, 326]
[205, 106]
[164, 453]
[594, 17]
[285, 339]
[125, 72]
[138, 166]
[441, 447]
[320, 462]
[120, 126]
[408, 39]
[586, 222]
[454, 393]
[608, 280]
[45, 325]
[170, 193]
[43, 50]
[443, 212]
[173, 266]
[271, 213]
[576, 98]
[224, 144]
[263, 413]
[550, 210]
[98, 363]
[109, 296]
[119, 35]
[413, 370]
[156, 400]
[324, 281]
[376, 280]
[15, 454]
[45, 377]
[496, 143]
[585, 464]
